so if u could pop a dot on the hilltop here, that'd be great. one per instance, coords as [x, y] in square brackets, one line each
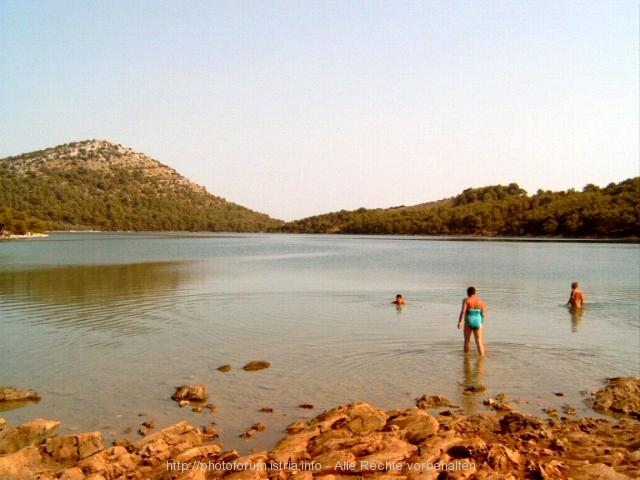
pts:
[498, 210]
[96, 184]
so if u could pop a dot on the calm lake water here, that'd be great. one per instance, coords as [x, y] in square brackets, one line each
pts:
[105, 325]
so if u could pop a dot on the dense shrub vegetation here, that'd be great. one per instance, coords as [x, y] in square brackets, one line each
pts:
[19, 223]
[611, 212]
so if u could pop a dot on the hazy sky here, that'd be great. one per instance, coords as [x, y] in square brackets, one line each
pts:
[296, 108]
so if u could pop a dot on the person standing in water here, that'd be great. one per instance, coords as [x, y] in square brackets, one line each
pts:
[576, 299]
[473, 313]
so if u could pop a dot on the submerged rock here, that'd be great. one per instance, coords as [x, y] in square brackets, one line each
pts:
[498, 403]
[191, 393]
[433, 401]
[256, 365]
[12, 394]
[474, 389]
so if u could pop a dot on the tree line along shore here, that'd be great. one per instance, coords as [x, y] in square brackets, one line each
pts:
[97, 185]
[612, 212]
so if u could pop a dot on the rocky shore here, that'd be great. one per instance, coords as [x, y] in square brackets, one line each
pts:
[431, 440]
[10, 236]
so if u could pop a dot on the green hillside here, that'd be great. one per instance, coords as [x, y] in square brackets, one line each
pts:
[610, 212]
[98, 185]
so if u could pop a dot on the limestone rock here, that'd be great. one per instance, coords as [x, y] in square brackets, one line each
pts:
[296, 427]
[469, 389]
[499, 403]
[96, 464]
[248, 434]
[89, 443]
[12, 394]
[329, 460]
[393, 452]
[260, 427]
[417, 424]
[72, 448]
[62, 449]
[363, 418]
[504, 459]
[621, 395]
[203, 451]
[20, 465]
[516, 422]
[596, 472]
[256, 365]
[433, 401]
[159, 446]
[355, 441]
[74, 473]
[292, 448]
[29, 433]
[191, 393]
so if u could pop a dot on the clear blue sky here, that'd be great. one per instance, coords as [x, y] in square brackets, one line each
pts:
[296, 108]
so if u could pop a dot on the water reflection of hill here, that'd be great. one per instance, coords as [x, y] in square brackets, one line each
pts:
[123, 299]
[91, 283]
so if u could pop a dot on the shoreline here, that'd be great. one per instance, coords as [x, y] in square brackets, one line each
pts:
[26, 235]
[345, 442]
[452, 238]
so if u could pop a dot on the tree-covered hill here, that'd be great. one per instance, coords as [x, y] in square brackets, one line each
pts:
[610, 212]
[98, 185]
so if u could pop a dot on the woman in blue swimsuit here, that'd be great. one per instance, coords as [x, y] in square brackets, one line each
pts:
[473, 313]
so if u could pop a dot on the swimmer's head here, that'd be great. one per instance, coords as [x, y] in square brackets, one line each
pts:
[574, 285]
[471, 291]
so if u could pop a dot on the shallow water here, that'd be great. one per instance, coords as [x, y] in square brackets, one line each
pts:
[105, 325]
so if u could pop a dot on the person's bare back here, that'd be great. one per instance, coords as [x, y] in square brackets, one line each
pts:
[577, 297]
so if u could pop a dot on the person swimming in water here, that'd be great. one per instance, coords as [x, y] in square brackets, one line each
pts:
[576, 299]
[473, 313]
[399, 300]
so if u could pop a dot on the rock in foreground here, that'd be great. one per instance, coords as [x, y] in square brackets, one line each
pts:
[620, 396]
[350, 441]
[190, 393]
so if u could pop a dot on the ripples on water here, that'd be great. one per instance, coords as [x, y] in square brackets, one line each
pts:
[104, 326]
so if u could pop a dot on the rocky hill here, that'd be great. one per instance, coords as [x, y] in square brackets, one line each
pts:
[96, 184]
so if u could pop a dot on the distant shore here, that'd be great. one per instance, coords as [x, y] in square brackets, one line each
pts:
[453, 238]
[26, 235]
